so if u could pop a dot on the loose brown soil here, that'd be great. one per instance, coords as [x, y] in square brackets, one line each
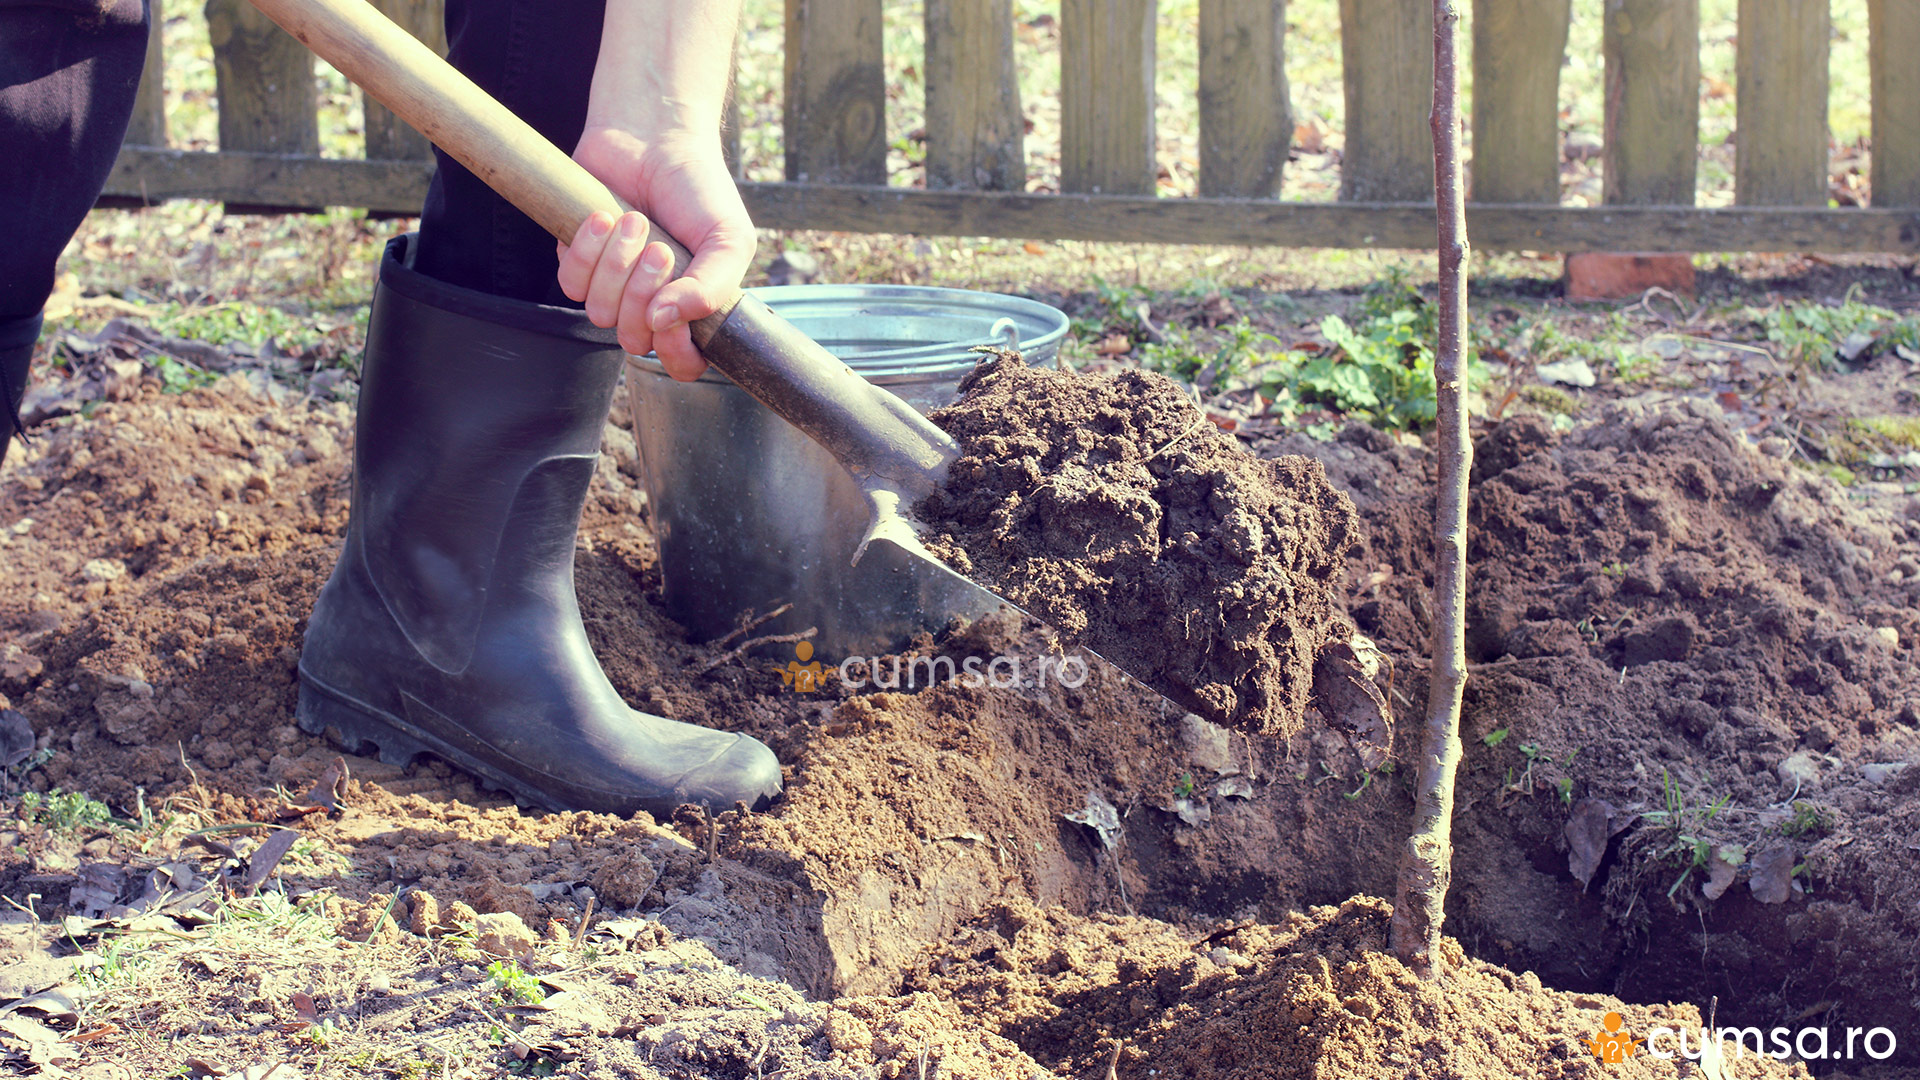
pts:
[1659, 609]
[1109, 506]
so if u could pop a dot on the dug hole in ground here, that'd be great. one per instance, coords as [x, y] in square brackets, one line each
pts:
[1693, 691]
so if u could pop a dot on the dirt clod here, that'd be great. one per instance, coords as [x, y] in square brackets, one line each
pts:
[1109, 506]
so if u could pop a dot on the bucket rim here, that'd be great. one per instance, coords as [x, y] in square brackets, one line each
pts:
[930, 362]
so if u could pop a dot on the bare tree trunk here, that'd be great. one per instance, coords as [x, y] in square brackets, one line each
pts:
[1426, 866]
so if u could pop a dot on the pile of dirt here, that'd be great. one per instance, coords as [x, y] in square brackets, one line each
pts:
[1109, 506]
[151, 485]
[1315, 995]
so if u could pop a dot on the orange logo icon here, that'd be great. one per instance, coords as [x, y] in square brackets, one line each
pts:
[1613, 1045]
[802, 676]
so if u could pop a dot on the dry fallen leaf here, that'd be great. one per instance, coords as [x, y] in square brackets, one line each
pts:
[265, 858]
[1590, 826]
[326, 791]
[1772, 877]
[35, 1041]
[1349, 699]
[16, 736]
[1721, 873]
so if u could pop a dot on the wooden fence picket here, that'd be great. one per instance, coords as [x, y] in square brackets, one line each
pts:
[835, 137]
[1518, 48]
[836, 104]
[264, 79]
[1106, 97]
[148, 125]
[388, 137]
[1386, 53]
[975, 129]
[1780, 155]
[1651, 153]
[1894, 55]
[1246, 117]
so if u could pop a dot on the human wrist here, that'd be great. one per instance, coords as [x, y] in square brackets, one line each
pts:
[662, 68]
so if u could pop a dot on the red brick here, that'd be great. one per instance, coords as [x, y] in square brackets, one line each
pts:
[1607, 275]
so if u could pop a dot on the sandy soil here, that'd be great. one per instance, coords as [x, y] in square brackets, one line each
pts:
[1664, 617]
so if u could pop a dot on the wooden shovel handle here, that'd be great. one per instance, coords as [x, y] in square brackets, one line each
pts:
[878, 437]
[432, 96]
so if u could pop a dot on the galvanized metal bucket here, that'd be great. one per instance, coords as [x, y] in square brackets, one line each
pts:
[750, 514]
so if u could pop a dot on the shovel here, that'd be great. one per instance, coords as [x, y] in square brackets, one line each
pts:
[897, 455]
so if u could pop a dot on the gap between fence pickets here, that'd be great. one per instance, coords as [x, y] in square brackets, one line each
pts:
[398, 186]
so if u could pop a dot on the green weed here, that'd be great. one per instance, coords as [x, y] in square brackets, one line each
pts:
[1496, 736]
[1808, 820]
[1688, 844]
[1380, 367]
[1550, 399]
[1366, 781]
[64, 812]
[1815, 334]
[516, 987]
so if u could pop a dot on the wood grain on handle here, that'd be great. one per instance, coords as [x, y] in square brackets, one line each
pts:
[504, 151]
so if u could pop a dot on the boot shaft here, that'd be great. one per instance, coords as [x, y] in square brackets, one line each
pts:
[468, 405]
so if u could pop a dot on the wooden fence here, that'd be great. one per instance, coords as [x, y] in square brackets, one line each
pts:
[835, 131]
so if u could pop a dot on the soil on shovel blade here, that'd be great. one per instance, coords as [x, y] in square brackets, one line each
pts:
[1109, 506]
[966, 881]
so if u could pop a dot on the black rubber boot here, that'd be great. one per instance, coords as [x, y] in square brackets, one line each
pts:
[16, 351]
[450, 624]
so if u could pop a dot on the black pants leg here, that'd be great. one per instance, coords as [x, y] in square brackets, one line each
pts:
[536, 57]
[68, 72]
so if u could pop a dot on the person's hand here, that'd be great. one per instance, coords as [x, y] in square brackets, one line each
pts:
[681, 182]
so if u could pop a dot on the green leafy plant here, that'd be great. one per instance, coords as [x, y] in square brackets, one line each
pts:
[516, 987]
[1184, 789]
[1381, 371]
[1564, 786]
[1817, 334]
[1808, 819]
[64, 812]
[1535, 757]
[1378, 368]
[1366, 781]
[1496, 736]
[1688, 843]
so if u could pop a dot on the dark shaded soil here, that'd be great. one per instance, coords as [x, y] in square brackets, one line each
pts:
[1110, 507]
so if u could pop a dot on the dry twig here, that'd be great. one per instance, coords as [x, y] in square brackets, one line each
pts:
[741, 649]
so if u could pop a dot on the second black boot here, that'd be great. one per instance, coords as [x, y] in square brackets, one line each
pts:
[450, 623]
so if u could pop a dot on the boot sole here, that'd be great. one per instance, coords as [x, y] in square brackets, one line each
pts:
[356, 725]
